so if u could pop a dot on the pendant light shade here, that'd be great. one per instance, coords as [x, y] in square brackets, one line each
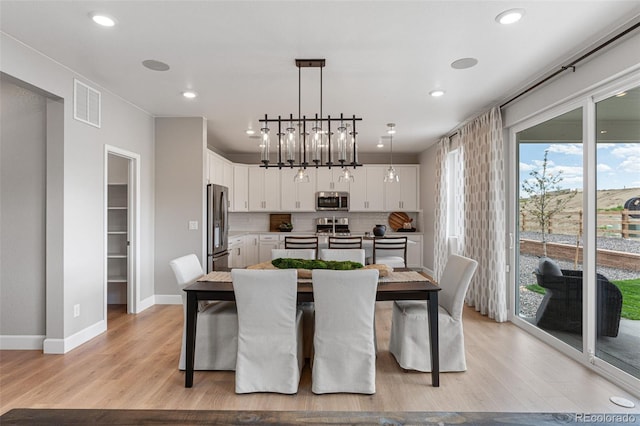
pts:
[391, 175]
[346, 175]
[302, 176]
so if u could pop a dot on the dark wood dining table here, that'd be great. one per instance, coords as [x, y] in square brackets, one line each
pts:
[211, 289]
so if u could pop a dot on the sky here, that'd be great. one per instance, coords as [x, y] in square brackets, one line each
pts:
[618, 164]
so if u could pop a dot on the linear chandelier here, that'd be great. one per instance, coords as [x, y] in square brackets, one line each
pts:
[316, 141]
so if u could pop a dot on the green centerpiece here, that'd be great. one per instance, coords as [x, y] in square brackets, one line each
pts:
[286, 263]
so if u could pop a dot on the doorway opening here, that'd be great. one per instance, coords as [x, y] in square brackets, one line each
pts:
[122, 178]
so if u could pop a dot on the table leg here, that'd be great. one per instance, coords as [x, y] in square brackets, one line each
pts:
[433, 339]
[192, 314]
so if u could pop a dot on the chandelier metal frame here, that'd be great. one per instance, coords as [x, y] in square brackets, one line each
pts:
[304, 123]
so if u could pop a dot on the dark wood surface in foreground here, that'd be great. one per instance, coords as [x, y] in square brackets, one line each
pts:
[21, 416]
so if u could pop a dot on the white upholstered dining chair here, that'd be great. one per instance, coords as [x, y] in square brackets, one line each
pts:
[354, 255]
[409, 342]
[293, 253]
[217, 322]
[307, 307]
[344, 357]
[270, 331]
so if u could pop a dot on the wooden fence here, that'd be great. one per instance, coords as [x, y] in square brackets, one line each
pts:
[613, 224]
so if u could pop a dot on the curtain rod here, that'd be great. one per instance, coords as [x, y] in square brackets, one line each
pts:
[572, 65]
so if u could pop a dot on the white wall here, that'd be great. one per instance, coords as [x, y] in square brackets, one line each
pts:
[77, 220]
[180, 191]
[427, 198]
[22, 211]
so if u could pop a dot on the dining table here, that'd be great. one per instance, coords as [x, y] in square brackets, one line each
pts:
[400, 284]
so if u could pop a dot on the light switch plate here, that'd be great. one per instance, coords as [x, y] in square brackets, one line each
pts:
[193, 225]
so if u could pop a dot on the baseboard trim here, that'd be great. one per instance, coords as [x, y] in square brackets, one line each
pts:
[21, 343]
[145, 304]
[168, 299]
[62, 346]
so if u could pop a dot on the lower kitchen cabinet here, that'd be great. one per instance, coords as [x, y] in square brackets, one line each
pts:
[251, 252]
[268, 242]
[414, 251]
[236, 252]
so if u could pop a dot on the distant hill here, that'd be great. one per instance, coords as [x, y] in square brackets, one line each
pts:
[607, 198]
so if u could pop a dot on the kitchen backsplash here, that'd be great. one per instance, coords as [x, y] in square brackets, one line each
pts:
[359, 222]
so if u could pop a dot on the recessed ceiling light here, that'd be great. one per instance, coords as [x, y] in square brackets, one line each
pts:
[464, 63]
[510, 16]
[603, 131]
[380, 144]
[250, 131]
[154, 65]
[189, 94]
[436, 93]
[104, 20]
[621, 94]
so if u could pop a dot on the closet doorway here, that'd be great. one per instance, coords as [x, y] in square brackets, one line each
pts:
[121, 231]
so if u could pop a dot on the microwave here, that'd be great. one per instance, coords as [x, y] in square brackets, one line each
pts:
[332, 201]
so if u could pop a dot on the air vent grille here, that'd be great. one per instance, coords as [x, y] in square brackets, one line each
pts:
[86, 106]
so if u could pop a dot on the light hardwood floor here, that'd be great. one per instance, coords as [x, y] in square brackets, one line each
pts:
[134, 365]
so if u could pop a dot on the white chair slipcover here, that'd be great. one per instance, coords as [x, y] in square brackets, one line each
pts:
[270, 331]
[354, 255]
[409, 342]
[293, 253]
[217, 323]
[307, 308]
[344, 351]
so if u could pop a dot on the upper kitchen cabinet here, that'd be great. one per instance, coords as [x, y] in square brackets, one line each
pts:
[298, 197]
[220, 170]
[264, 189]
[403, 195]
[240, 194]
[367, 190]
[328, 180]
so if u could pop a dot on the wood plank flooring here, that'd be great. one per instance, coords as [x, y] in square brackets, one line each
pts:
[134, 366]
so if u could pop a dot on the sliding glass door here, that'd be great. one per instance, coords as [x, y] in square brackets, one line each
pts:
[577, 228]
[549, 275]
[618, 230]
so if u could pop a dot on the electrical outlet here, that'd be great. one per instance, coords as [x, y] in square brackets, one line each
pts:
[76, 311]
[193, 225]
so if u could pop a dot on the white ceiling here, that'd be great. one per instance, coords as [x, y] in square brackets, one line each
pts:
[382, 57]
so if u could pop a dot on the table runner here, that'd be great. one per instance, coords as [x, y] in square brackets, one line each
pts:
[393, 277]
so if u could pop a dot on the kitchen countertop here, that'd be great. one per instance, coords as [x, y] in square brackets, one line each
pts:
[354, 234]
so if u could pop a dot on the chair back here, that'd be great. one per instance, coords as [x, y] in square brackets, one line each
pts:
[268, 330]
[293, 253]
[187, 269]
[354, 255]
[344, 336]
[454, 282]
[301, 242]
[345, 242]
[390, 247]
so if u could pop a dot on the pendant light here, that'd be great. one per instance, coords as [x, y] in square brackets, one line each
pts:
[390, 175]
[312, 143]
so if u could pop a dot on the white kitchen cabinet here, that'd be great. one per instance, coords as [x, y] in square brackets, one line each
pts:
[299, 197]
[267, 242]
[414, 251]
[251, 249]
[237, 252]
[328, 179]
[240, 188]
[264, 189]
[403, 195]
[367, 190]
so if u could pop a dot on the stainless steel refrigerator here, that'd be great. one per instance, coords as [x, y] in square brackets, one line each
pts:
[217, 228]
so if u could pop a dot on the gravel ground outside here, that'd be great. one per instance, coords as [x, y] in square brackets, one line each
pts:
[529, 301]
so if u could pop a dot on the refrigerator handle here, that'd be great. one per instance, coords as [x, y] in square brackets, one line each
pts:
[223, 207]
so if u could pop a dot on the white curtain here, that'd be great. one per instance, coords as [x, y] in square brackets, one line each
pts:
[484, 207]
[441, 203]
